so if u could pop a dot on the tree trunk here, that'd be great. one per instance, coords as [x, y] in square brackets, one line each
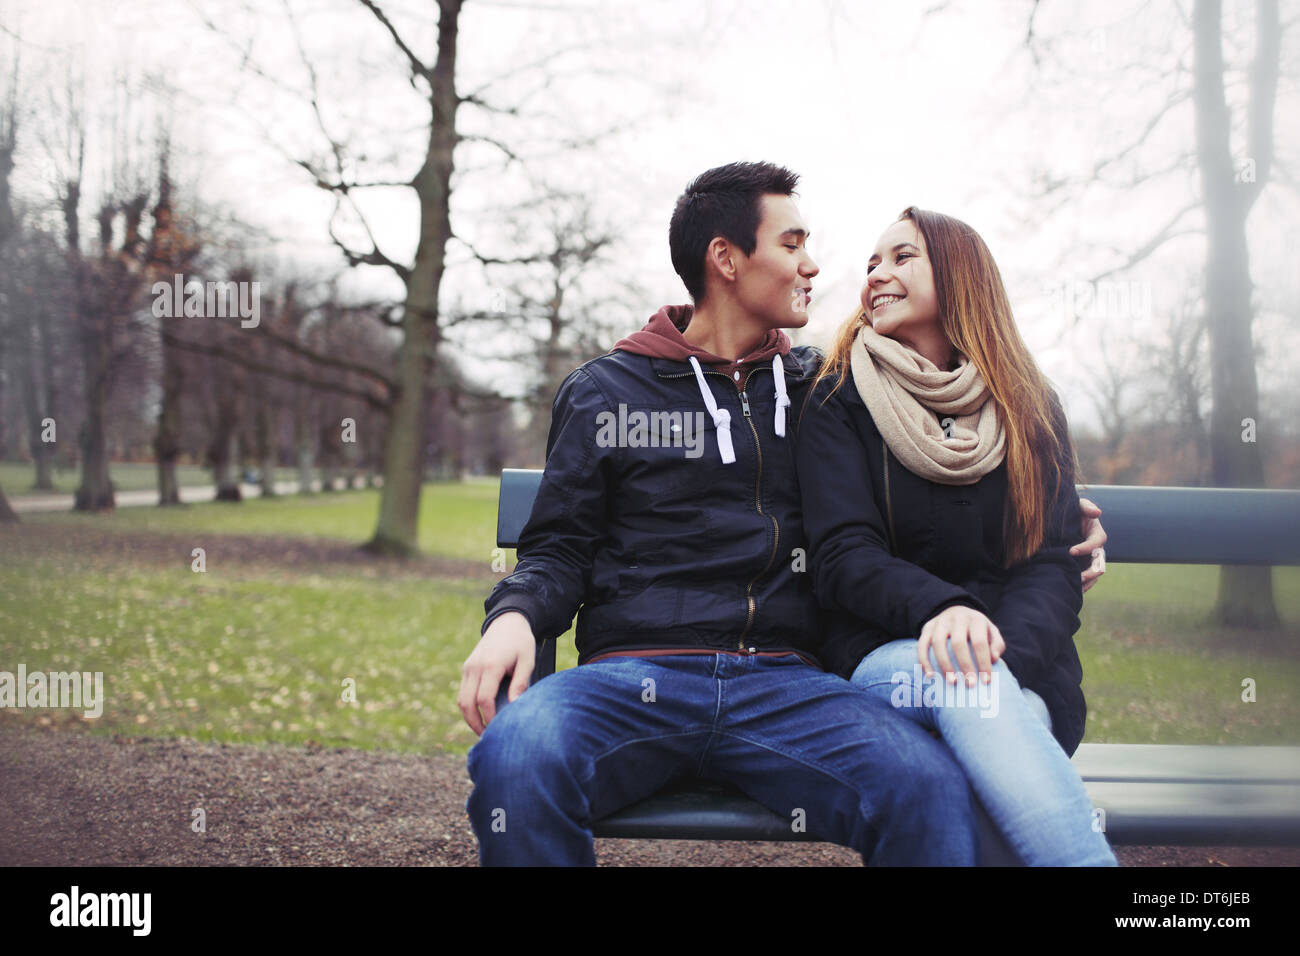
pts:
[96, 490]
[399, 501]
[304, 469]
[40, 450]
[1245, 593]
[222, 454]
[268, 477]
[304, 446]
[266, 457]
[7, 514]
[167, 440]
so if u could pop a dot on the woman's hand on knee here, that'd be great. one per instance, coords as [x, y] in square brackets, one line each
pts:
[976, 644]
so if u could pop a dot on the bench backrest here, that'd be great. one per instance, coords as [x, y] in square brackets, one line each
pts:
[1145, 525]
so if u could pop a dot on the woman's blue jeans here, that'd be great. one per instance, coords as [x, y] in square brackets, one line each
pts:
[999, 734]
[833, 761]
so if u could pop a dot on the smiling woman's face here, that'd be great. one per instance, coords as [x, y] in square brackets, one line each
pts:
[899, 296]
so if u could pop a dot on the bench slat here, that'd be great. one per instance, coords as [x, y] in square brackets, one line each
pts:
[1154, 814]
[1199, 525]
[699, 811]
[1145, 525]
[515, 502]
[1198, 814]
[1187, 763]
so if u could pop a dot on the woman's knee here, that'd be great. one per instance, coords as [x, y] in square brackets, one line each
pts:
[1037, 707]
[890, 664]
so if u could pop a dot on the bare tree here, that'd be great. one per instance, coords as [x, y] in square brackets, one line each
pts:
[340, 170]
[172, 250]
[1195, 81]
[8, 226]
[399, 505]
[1245, 593]
[555, 303]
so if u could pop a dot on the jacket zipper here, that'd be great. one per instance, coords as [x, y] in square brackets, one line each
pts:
[751, 604]
[758, 506]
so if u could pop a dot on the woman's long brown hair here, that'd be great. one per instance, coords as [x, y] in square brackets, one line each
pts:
[975, 315]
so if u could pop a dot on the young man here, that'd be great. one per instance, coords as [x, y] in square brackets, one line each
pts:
[668, 518]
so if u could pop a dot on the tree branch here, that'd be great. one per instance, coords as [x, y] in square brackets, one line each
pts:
[491, 141]
[243, 361]
[482, 104]
[372, 258]
[329, 361]
[1169, 231]
[418, 67]
[494, 261]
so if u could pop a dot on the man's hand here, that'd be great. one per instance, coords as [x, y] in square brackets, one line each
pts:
[970, 631]
[1094, 542]
[506, 647]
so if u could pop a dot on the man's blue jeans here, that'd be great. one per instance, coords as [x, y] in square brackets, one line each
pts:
[999, 734]
[592, 739]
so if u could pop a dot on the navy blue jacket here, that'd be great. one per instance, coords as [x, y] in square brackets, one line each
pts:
[659, 549]
[948, 548]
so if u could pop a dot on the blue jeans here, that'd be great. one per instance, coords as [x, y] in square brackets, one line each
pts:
[999, 734]
[836, 762]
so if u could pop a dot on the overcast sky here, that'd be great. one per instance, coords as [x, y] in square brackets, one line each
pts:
[877, 105]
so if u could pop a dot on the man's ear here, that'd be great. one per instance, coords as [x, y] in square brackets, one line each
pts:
[720, 258]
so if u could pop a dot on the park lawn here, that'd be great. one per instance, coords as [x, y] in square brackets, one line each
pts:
[1154, 672]
[16, 477]
[260, 652]
[457, 519]
[249, 654]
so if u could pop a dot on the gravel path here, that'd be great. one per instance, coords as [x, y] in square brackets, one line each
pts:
[69, 798]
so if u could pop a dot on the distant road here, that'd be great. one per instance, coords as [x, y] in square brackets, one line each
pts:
[132, 499]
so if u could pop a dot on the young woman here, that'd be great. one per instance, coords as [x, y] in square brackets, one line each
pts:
[938, 491]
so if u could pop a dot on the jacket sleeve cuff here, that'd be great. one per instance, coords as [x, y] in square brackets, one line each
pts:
[965, 600]
[518, 601]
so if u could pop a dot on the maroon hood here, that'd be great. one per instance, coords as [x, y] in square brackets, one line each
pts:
[662, 338]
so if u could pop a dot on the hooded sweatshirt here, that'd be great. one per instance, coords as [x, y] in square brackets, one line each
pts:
[662, 338]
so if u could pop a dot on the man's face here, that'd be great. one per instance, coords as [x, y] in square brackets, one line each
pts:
[775, 283]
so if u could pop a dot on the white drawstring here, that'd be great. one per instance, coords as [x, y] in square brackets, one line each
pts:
[721, 417]
[782, 399]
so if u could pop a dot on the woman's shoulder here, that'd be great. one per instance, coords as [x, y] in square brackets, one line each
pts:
[837, 390]
[831, 400]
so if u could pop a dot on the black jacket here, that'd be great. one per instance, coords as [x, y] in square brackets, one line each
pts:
[659, 549]
[947, 549]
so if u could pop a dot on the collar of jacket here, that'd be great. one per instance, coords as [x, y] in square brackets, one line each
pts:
[800, 365]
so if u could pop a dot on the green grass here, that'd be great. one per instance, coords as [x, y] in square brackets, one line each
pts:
[457, 520]
[1155, 672]
[16, 478]
[254, 652]
[240, 656]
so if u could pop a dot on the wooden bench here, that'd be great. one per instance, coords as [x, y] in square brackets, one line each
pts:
[1150, 794]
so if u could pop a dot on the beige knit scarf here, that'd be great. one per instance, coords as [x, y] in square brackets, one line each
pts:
[903, 390]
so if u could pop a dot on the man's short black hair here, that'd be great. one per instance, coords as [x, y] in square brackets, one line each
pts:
[725, 201]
